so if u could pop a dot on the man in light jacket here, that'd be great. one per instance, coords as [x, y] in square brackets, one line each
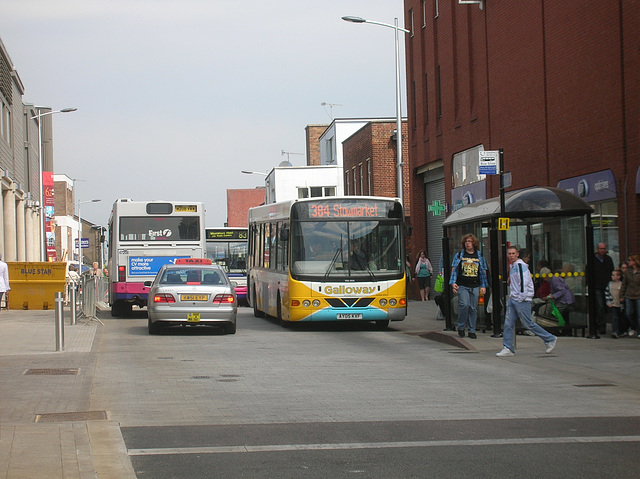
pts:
[4, 278]
[519, 306]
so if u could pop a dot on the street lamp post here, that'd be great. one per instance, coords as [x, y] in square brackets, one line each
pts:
[80, 233]
[43, 237]
[399, 164]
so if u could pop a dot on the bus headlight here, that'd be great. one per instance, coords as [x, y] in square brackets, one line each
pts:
[393, 302]
[316, 303]
[306, 303]
[383, 302]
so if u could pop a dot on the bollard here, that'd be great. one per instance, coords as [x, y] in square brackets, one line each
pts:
[59, 322]
[72, 303]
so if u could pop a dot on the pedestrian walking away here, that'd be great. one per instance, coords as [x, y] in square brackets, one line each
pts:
[468, 280]
[519, 306]
[4, 279]
[423, 271]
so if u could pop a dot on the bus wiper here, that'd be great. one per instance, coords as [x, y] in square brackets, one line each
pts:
[333, 262]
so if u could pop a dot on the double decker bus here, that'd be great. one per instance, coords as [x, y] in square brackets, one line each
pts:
[328, 259]
[227, 247]
[144, 236]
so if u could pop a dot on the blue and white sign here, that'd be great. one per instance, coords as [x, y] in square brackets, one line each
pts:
[149, 265]
[488, 162]
[84, 242]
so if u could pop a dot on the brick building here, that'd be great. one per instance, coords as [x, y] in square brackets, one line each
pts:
[238, 203]
[553, 84]
[313, 134]
[369, 162]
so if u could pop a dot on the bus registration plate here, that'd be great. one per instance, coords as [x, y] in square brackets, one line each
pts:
[193, 297]
[349, 316]
[193, 317]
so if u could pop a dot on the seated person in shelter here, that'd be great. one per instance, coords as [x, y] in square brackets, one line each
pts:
[568, 270]
[541, 286]
[560, 294]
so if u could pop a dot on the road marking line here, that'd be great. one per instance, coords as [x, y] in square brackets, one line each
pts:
[378, 445]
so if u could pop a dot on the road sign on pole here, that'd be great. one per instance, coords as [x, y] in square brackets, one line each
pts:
[488, 163]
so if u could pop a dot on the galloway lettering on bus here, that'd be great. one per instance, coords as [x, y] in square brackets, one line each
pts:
[349, 289]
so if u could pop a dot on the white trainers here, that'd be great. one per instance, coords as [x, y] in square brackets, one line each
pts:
[505, 352]
[550, 345]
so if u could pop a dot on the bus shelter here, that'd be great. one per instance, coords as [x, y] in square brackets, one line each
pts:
[553, 224]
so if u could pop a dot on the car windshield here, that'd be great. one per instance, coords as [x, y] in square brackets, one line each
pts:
[346, 249]
[192, 276]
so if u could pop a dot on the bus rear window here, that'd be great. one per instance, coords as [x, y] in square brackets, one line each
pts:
[159, 228]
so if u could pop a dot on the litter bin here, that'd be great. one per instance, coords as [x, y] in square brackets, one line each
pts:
[34, 284]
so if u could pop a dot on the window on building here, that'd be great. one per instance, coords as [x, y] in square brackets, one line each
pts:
[355, 180]
[347, 184]
[369, 189]
[361, 178]
[465, 167]
[316, 191]
[438, 93]
[331, 158]
[411, 21]
[426, 99]
[5, 122]
[424, 13]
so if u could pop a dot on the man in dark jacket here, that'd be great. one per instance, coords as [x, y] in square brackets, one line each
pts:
[602, 269]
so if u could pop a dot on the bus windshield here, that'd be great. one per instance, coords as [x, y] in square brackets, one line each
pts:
[231, 256]
[159, 228]
[332, 250]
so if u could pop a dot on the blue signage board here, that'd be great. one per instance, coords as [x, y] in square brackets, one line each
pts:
[84, 242]
[149, 265]
[598, 186]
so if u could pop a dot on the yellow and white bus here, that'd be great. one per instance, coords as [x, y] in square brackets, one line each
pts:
[328, 259]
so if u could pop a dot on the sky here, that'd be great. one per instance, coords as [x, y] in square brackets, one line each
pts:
[176, 97]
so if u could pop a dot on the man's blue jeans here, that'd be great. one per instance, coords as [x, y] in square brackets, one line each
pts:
[467, 307]
[522, 310]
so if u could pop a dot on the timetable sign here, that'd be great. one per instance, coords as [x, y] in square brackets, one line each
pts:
[488, 162]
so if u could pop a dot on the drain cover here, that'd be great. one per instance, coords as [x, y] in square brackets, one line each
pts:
[53, 372]
[72, 416]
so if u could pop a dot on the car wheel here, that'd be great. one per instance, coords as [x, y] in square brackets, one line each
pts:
[154, 328]
[231, 329]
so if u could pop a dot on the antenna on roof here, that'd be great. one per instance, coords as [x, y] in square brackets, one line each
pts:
[282, 153]
[330, 105]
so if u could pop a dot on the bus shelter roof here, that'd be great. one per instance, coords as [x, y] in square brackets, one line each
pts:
[536, 202]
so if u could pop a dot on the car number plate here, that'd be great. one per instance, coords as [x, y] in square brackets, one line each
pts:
[193, 297]
[193, 317]
[349, 316]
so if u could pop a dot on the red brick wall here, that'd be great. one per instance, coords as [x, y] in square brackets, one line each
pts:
[238, 203]
[374, 142]
[555, 86]
[313, 133]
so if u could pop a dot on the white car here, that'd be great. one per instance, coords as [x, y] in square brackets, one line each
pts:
[191, 293]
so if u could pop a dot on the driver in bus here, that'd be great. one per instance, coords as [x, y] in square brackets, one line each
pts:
[357, 258]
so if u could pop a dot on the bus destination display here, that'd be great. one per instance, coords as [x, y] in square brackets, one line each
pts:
[346, 210]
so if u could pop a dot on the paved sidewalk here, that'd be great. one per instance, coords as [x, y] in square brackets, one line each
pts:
[48, 430]
[44, 396]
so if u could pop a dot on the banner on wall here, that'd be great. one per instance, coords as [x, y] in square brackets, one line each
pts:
[49, 215]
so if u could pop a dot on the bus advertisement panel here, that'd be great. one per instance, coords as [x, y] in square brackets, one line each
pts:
[144, 236]
[328, 259]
